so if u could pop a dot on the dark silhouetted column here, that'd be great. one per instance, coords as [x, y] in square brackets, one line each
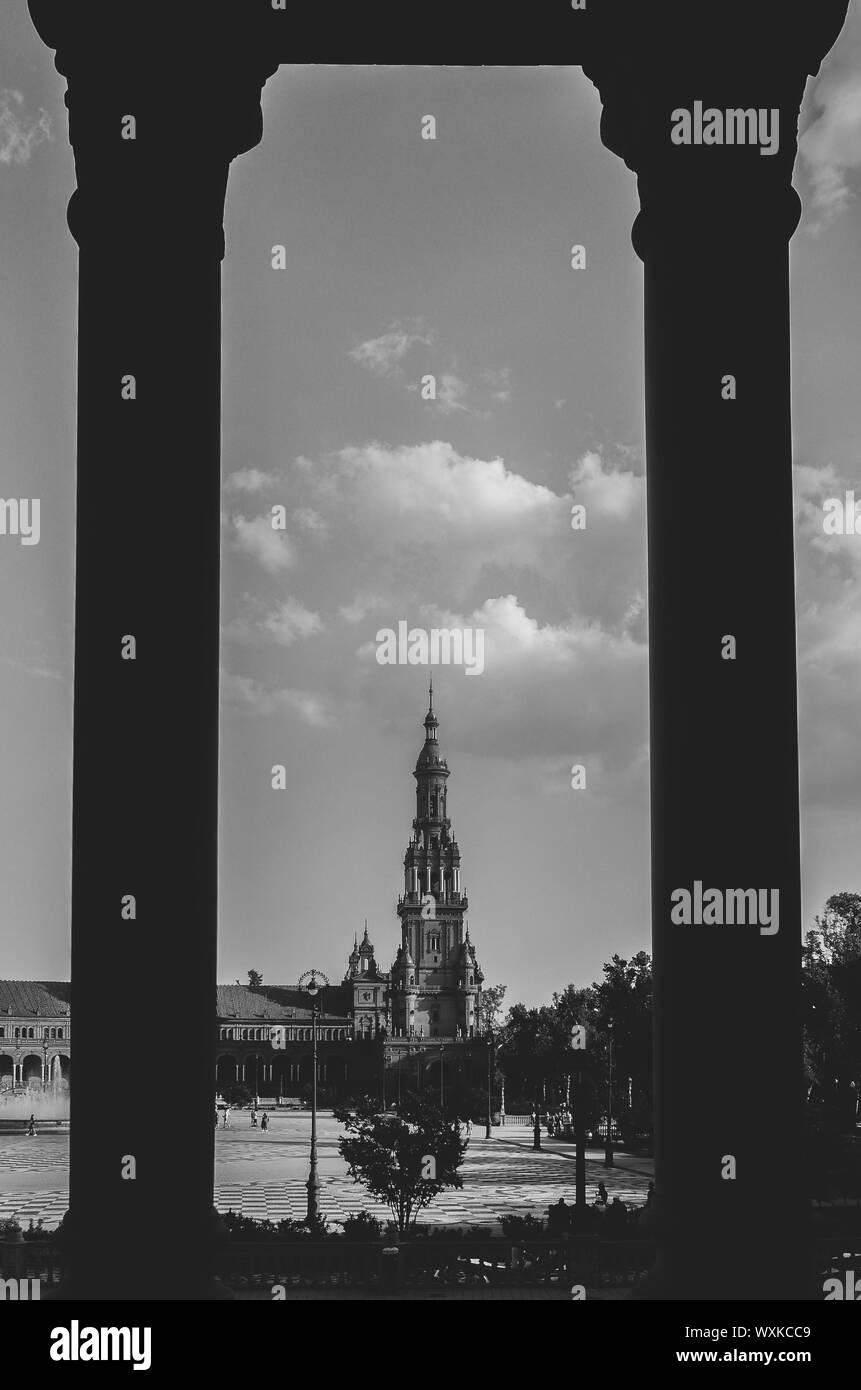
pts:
[154, 123]
[713, 234]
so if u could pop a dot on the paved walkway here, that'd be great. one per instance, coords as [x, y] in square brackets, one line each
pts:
[264, 1175]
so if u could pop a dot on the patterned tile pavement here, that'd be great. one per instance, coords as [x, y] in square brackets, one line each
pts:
[500, 1176]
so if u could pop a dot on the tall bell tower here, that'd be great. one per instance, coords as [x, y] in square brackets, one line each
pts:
[436, 979]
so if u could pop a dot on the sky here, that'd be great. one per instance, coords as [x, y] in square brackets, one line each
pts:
[406, 257]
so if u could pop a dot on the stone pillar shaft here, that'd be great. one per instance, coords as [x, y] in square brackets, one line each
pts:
[713, 234]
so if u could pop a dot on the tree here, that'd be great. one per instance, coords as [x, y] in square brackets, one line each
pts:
[527, 1051]
[624, 998]
[831, 973]
[404, 1159]
[255, 979]
[490, 1007]
[237, 1093]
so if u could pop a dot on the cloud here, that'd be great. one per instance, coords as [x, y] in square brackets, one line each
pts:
[451, 394]
[247, 480]
[359, 608]
[37, 667]
[19, 133]
[499, 383]
[384, 355]
[400, 500]
[426, 518]
[830, 146]
[606, 491]
[244, 695]
[284, 624]
[552, 692]
[273, 549]
[828, 590]
[455, 394]
[310, 521]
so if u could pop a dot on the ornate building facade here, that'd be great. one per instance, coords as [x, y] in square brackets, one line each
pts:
[400, 1028]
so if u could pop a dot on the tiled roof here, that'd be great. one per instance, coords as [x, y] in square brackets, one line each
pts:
[271, 1002]
[35, 998]
[49, 999]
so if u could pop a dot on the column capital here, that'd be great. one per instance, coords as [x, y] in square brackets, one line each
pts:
[193, 83]
[649, 60]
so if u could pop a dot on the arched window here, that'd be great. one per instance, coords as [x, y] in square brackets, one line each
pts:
[59, 1032]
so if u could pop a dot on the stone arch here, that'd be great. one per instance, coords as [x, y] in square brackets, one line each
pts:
[255, 1071]
[226, 1070]
[31, 1070]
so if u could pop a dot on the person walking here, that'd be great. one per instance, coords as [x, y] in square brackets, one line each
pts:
[264, 1123]
[31, 1127]
[227, 1117]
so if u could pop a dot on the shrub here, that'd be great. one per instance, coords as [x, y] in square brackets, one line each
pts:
[522, 1227]
[362, 1226]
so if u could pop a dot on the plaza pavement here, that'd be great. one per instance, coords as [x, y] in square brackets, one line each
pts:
[264, 1175]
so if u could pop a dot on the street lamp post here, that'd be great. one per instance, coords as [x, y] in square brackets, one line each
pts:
[489, 1080]
[608, 1145]
[578, 1039]
[536, 1128]
[311, 984]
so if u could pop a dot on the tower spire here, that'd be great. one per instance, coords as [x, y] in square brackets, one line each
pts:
[430, 695]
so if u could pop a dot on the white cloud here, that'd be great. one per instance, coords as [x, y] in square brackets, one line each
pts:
[359, 607]
[19, 133]
[455, 394]
[451, 394]
[830, 146]
[384, 355]
[310, 521]
[425, 518]
[248, 480]
[244, 695]
[428, 495]
[284, 624]
[605, 491]
[566, 692]
[499, 384]
[828, 590]
[272, 549]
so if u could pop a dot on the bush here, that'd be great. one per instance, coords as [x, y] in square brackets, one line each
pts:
[249, 1229]
[522, 1227]
[238, 1094]
[362, 1226]
[10, 1229]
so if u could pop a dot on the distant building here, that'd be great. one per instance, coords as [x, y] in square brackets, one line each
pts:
[412, 1025]
[35, 1034]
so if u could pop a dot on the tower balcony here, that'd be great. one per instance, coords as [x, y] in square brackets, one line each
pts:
[450, 900]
